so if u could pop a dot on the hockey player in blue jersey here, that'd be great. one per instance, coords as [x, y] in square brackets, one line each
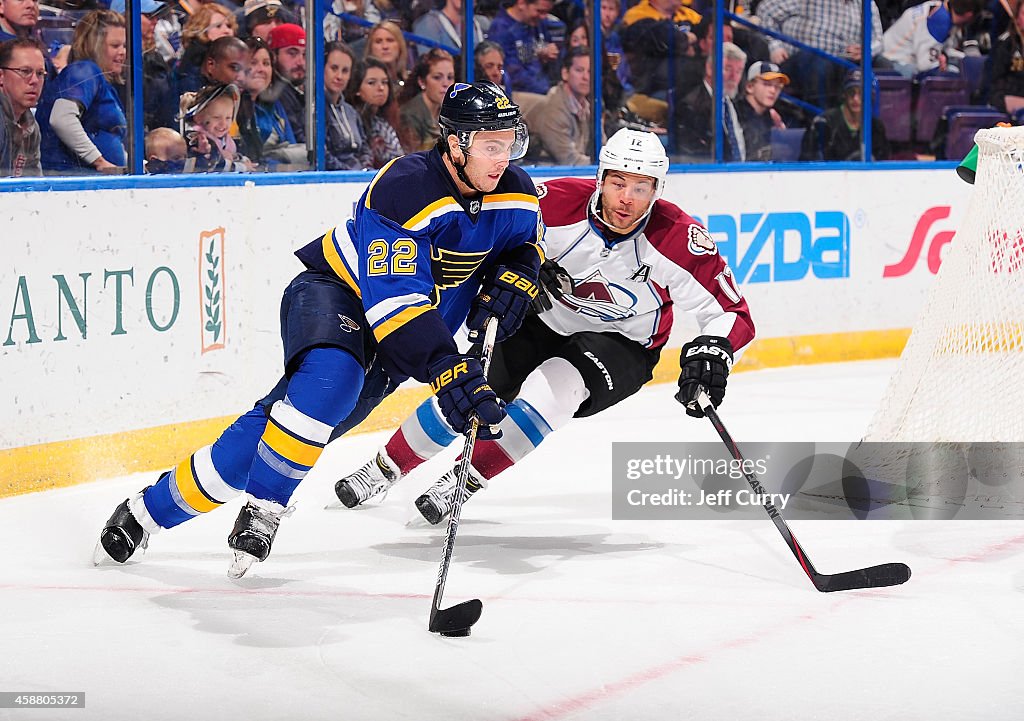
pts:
[439, 238]
[623, 263]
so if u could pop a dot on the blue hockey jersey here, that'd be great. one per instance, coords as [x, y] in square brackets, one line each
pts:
[416, 252]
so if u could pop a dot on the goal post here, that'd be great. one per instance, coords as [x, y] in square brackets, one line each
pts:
[961, 374]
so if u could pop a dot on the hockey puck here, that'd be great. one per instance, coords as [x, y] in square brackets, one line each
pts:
[455, 633]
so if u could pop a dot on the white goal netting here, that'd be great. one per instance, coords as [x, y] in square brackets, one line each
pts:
[961, 375]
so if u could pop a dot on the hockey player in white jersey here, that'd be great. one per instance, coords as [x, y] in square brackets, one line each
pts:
[633, 260]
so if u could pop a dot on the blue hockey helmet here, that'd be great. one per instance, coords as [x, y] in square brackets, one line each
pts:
[481, 107]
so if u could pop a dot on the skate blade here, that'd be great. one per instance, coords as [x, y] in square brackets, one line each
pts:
[418, 521]
[243, 561]
[100, 557]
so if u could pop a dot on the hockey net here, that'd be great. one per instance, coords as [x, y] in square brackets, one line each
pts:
[961, 375]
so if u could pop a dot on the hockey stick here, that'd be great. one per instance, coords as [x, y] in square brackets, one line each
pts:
[886, 574]
[457, 620]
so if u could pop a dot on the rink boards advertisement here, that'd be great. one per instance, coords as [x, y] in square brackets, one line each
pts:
[135, 323]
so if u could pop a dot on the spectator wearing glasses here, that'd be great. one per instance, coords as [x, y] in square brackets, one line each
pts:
[432, 76]
[18, 18]
[22, 74]
[81, 117]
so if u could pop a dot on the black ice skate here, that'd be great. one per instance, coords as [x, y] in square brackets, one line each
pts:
[121, 536]
[254, 532]
[436, 503]
[374, 478]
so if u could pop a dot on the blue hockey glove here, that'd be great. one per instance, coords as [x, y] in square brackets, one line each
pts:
[705, 362]
[506, 294]
[462, 392]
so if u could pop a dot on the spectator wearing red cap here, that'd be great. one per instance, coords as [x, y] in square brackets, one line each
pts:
[288, 49]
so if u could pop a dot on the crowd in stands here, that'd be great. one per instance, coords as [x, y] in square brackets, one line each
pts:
[225, 82]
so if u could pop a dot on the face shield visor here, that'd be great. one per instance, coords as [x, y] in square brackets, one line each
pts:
[495, 145]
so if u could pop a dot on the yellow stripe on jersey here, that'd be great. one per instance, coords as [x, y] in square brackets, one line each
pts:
[334, 259]
[296, 450]
[373, 182]
[437, 205]
[188, 487]
[399, 319]
[511, 198]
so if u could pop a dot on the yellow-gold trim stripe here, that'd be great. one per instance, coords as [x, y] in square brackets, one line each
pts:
[189, 488]
[399, 319]
[288, 446]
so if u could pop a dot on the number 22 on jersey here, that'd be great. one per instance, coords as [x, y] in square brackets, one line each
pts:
[398, 258]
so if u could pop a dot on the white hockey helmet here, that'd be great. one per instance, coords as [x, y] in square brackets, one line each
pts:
[633, 151]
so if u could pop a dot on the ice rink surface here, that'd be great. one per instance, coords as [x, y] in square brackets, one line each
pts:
[584, 617]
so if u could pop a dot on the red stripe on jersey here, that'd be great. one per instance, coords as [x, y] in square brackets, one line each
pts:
[564, 201]
[669, 231]
[664, 329]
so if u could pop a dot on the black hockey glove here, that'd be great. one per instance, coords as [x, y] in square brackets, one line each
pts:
[462, 392]
[705, 362]
[555, 282]
[506, 294]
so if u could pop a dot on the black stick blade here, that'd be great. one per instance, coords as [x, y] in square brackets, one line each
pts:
[887, 574]
[457, 620]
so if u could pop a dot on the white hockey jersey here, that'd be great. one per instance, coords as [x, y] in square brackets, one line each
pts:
[631, 285]
[908, 41]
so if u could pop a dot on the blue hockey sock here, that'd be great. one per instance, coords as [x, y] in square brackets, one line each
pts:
[205, 480]
[321, 393]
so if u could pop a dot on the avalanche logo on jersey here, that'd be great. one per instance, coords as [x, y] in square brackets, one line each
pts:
[597, 298]
[700, 241]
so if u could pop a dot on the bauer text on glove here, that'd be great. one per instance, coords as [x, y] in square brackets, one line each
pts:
[506, 295]
[462, 392]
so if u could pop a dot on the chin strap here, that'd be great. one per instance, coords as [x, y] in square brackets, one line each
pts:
[460, 170]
